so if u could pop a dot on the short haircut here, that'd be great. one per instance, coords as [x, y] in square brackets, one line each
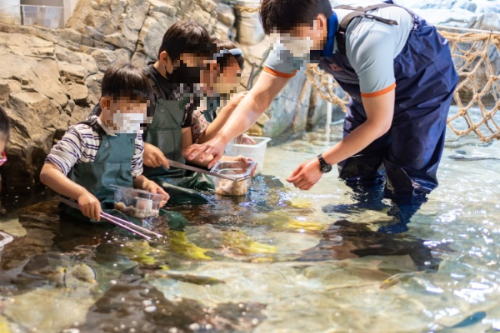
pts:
[4, 123]
[224, 61]
[186, 37]
[126, 81]
[284, 15]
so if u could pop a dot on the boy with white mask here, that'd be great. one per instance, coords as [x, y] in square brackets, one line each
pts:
[106, 149]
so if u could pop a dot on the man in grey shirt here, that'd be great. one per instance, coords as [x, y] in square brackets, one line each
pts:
[398, 71]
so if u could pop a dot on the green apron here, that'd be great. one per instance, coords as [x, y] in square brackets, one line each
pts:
[165, 132]
[112, 166]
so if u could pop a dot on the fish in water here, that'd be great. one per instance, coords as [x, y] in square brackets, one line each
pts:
[469, 321]
[161, 271]
[180, 244]
[245, 244]
[397, 278]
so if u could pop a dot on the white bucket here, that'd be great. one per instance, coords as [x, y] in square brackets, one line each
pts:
[256, 152]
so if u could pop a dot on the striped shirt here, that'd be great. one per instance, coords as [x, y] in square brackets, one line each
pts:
[81, 143]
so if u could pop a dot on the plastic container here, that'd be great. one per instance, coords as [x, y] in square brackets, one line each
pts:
[45, 16]
[256, 152]
[231, 187]
[137, 203]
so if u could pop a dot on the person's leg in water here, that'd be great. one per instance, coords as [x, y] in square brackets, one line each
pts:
[409, 155]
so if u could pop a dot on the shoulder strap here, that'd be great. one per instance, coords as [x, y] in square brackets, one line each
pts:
[359, 12]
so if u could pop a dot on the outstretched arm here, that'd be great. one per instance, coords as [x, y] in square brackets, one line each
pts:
[244, 116]
[379, 111]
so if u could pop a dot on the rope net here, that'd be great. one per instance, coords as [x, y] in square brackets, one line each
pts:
[477, 97]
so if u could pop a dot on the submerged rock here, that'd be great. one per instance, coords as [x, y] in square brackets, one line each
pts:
[140, 306]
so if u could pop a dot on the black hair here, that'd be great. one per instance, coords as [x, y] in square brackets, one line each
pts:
[4, 123]
[284, 15]
[186, 37]
[126, 81]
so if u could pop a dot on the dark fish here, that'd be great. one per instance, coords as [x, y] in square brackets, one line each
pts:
[470, 320]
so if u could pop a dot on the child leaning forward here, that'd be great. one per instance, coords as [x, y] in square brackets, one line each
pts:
[104, 150]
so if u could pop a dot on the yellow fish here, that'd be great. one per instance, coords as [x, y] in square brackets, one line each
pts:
[180, 244]
[4, 325]
[242, 242]
[141, 252]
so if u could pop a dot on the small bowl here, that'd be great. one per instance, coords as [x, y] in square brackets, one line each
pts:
[137, 203]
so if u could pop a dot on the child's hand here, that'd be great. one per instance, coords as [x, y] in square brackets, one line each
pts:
[153, 157]
[152, 187]
[90, 206]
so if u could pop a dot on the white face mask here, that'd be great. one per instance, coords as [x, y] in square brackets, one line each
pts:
[128, 122]
[299, 47]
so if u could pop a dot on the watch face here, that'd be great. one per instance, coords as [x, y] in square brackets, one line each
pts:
[326, 168]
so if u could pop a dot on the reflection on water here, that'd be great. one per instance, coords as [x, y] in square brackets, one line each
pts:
[333, 259]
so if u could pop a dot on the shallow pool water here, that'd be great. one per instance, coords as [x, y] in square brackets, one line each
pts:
[277, 260]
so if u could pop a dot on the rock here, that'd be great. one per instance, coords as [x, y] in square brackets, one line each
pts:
[88, 62]
[140, 59]
[199, 16]
[63, 54]
[118, 22]
[105, 58]
[250, 30]
[162, 7]
[225, 14]
[46, 80]
[78, 93]
[72, 72]
[8, 87]
[489, 22]
[207, 5]
[222, 31]
[152, 33]
[93, 83]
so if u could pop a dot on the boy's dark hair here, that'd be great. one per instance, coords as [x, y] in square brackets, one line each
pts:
[225, 61]
[126, 81]
[284, 15]
[186, 37]
[4, 123]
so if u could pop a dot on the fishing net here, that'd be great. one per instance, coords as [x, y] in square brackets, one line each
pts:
[477, 98]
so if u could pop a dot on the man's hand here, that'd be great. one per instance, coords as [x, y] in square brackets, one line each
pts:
[153, 157]
[90, 206]
[306, 175]
[214, 147]
[152, 187]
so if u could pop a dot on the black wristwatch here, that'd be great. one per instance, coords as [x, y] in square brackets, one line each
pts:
[323, 165]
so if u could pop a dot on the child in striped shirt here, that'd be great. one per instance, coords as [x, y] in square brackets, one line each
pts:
[106, 149]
